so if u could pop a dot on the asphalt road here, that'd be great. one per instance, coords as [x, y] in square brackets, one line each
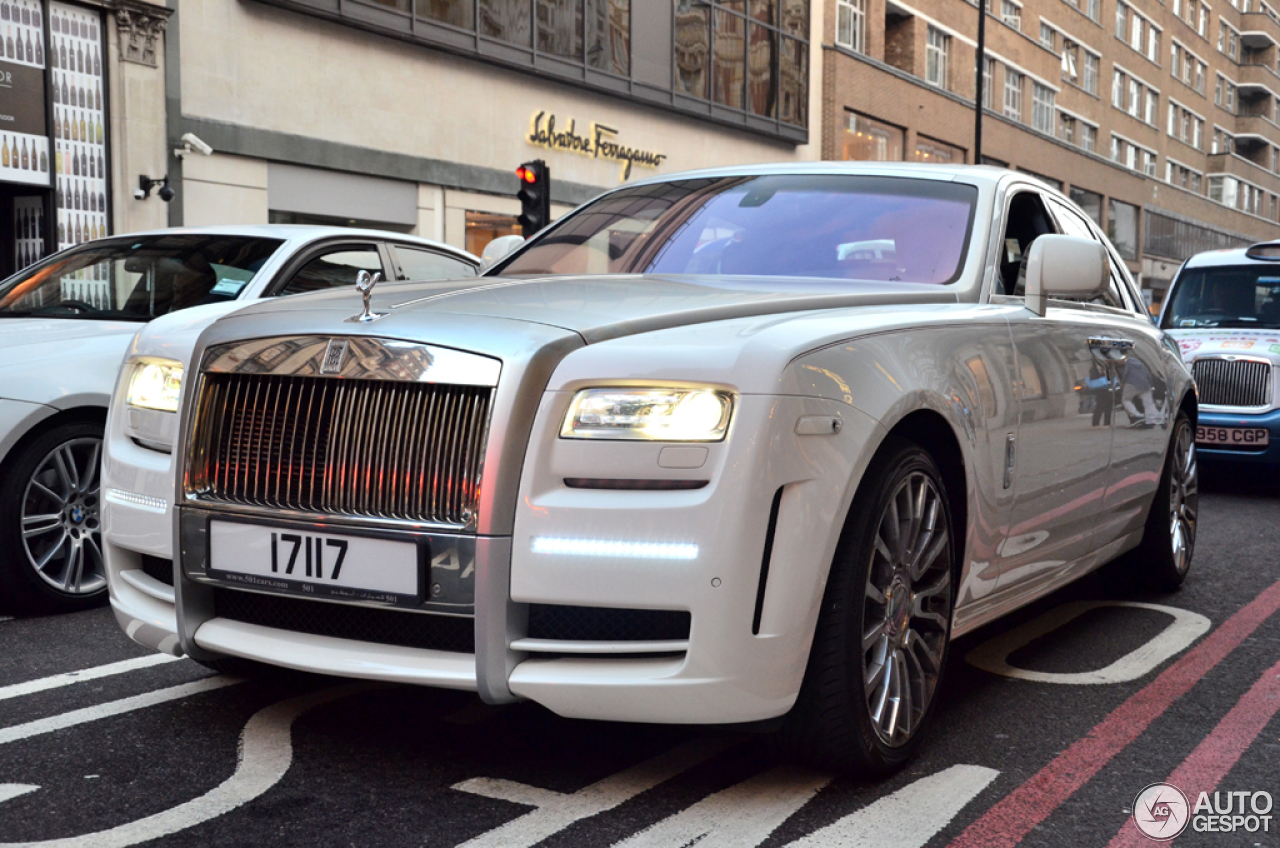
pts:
[1051, 750]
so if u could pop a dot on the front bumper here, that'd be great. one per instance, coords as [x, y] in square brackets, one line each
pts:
[748, 643]
[1269, 455]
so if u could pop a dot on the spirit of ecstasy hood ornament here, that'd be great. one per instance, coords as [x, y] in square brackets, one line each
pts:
[364, 284]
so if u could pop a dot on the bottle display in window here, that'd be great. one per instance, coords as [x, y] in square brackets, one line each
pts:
[28, 226]
[23, 78]
[75, 39]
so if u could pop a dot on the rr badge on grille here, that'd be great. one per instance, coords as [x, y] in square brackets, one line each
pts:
[333, 356]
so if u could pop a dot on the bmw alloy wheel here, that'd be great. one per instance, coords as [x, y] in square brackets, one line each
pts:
[60, 518]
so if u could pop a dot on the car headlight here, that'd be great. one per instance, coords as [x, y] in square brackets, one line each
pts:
[654, 414]
[155, 384]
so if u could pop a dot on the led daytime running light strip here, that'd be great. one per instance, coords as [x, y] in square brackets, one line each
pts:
[615, 548]
[157, 505]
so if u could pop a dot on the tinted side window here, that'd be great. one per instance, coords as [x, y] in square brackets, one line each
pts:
[1075, 225]
[418, 264]
[334, 269]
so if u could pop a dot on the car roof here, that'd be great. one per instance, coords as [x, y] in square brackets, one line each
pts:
[1227, 256]
[988, 174]
[298, 235]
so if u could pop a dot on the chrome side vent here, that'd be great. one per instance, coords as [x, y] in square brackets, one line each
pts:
[347, 447]
[1233, 382]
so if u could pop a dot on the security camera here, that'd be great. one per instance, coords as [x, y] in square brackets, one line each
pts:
[190, 142]
[139, 194]
[166, 193]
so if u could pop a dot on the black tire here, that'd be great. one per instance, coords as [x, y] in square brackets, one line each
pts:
[1163, 558]
[59, 507]
[834, 723]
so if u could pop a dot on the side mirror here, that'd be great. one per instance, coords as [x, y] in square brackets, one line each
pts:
[1064, 266]
[497, 250]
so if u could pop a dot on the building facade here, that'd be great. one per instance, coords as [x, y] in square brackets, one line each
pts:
[1160, 117]
[408, 115]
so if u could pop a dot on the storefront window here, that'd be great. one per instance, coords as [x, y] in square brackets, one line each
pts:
[1122, 227]
[453, 12]
[80, 158]
[609, 36]
[505, 20]
[484, 227]
[758, 55]
[868, 139]
[1090, 202]
[938, 152]
[560, 28]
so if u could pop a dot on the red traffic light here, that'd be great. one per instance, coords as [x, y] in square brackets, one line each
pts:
[526, 174]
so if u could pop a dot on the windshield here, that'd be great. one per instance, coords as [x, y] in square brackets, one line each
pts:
[136, 279]
[1243, 296]
[835, 226]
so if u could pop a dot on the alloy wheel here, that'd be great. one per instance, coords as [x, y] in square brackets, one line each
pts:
[61, 526]
[907, 609]
[1184, 497]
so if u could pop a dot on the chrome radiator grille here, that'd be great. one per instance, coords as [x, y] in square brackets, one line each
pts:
[1228, 382]
[349, 447]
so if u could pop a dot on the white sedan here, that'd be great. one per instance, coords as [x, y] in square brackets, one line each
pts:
[65, 325]
[719, 447]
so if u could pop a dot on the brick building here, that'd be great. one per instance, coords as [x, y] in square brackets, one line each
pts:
[1159, 118]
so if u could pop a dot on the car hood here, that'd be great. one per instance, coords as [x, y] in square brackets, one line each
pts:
[60, 361]
[606, 307]
[1227, 342]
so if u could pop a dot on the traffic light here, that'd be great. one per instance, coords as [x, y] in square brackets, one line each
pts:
[535, 196]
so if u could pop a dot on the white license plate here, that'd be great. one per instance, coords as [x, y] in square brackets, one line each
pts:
[305, 562]
[1244, 437]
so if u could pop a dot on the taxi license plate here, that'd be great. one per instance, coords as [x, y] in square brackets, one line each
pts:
[1242, 437]
[282, 559]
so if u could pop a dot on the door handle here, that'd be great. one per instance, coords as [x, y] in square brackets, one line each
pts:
[1110, 350]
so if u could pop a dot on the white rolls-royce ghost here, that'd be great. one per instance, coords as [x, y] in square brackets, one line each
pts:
[718, 447]
[66, 324]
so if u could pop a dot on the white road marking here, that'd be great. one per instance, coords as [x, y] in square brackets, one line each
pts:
[563, 810]
[908, 818]
[17, 689]
[13, 790]
[112, 708]
[1186, 628]
[510, 790]
[740, 816]
[266, 752]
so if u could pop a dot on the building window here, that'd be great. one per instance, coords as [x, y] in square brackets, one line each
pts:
[1122, 16]
[756, 64]
[1048, 37]
[1135, 98]
[988, 83]
[1067, 128]
[851, 24]
[1091, 67]
[939, 152]
[1152, 107]
[1148, 163]
[1090, 202]
[1122, 227]
[1224, 94]
[867, 139]
[1012, 94]
[1070, 65]
[1011, 13]
[1228, 40]
[484, 227]
[1117, 89]
[936, 57]
[1042, 110]
[1089, 138]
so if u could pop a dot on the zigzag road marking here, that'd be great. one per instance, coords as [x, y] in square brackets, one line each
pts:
[266, 752]
[112, 708]
[45, 683]
[556, 811]
[909, 817]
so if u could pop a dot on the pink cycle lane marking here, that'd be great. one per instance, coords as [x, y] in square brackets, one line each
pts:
[1015, 815]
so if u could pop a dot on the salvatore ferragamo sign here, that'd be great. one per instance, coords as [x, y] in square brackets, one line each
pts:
[599, 142]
